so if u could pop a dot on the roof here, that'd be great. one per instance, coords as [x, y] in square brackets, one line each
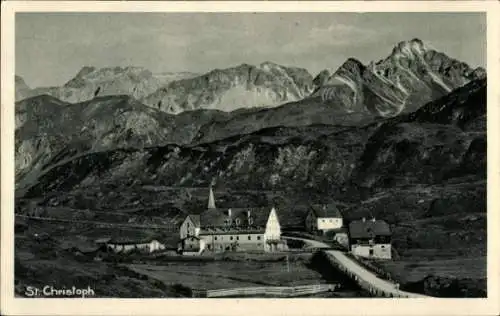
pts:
[232, 231]
[88, 248]
[102, 240]
[195, 219]
[239, 217]
[325, 210]
[131, 237]
[125, 241]
[369, 228]
[189, 237]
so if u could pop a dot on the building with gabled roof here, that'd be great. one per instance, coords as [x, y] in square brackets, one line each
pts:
[233, 229]
[323, 218]
[370, 238]
[125, 244]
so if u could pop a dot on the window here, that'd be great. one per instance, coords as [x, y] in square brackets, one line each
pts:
[215, 237]
[231, 237]
[249, 237]
[258, 237]
[237, 221]
[237, 237]
[331, 220]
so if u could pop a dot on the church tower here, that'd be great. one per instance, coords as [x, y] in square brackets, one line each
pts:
[211, 199]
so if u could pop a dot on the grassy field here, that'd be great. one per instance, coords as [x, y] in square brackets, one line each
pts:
[39, 264]
[230, 274]
[412, 271]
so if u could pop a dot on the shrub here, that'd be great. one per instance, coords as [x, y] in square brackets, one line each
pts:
[182, 290]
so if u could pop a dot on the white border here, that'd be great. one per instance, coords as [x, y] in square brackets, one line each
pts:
[220, 307]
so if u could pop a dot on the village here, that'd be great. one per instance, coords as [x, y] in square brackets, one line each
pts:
[347, 247]
[258, 229]
[232, 249]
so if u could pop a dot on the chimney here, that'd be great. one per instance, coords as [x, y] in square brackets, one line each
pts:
[249, 213]
[211, 199]
[228, 212]
[364, 219]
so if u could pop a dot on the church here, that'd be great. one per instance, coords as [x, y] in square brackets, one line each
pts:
[231, 229]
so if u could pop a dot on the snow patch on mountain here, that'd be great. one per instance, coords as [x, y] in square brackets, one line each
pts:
[241, 97]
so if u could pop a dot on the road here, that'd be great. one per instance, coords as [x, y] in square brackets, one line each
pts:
[380, 284]
[359, 272]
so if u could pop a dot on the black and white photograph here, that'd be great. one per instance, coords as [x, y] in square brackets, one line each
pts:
[298, 155]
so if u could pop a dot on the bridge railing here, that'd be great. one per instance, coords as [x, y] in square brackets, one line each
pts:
[366, 285]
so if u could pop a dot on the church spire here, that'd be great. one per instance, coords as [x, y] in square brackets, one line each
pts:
[211, 199]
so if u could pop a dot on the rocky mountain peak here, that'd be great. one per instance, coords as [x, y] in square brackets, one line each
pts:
[20, 83]
[106, 73]
[269, 65]
[479, 73]
[19, 79]
[413, 74]
[351, 67]
[22, 90]
[409, 49]
[243, 86]
[91, 82]
[85, 71]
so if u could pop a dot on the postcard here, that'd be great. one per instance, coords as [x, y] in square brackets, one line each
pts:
[226, 158]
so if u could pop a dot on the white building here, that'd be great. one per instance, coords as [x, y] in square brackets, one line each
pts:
[323, 218]
[127, 245]
[370, 239]
[234, 229]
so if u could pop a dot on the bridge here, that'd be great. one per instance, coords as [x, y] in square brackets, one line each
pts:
[365, 278]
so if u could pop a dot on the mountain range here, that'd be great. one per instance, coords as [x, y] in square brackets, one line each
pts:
[444, 139]
[354, 100]
[403, 139]
[410, 76]
[90, 82]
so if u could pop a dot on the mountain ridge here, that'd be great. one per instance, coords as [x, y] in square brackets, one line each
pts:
[411, 75]
[91, 81]
[336, 156]
[266, 84]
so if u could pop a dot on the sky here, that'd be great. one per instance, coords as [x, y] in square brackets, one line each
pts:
[52, 47]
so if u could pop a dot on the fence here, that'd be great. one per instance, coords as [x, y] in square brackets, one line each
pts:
[372, 267]
[275, 291]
